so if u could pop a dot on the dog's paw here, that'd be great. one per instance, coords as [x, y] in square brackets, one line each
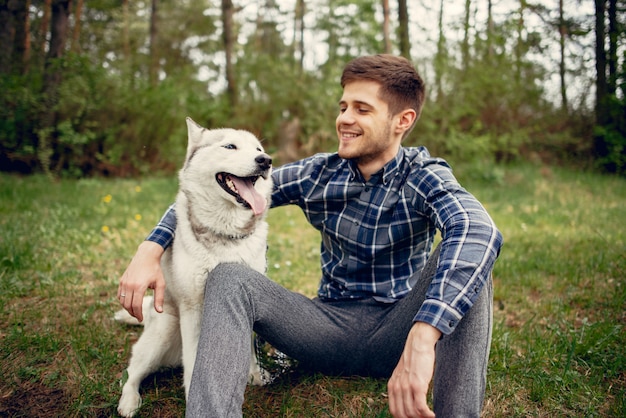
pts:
[129, 404]
[258, 377]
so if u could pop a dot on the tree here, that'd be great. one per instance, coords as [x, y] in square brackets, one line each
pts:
[59, 28]
[441, 63]
[563, 30]
[78, 14]
[153, 70]
[403, 29]
[228, 36]
[386, 35]
[14, 36]
[613, 35]
[601, 81]
[465, 46]
[610, 110]
[298, 33]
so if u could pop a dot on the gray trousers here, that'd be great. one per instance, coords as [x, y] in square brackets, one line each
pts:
[361, 337]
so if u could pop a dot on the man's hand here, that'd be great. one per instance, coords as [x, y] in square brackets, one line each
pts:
[143, 273]
[409, 382]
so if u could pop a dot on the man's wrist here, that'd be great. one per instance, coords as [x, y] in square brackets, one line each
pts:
[423, 334]
[151, 249]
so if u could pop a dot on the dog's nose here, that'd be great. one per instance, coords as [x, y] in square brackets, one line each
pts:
[264, 161]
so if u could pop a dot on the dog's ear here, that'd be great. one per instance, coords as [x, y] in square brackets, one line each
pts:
[194, 136]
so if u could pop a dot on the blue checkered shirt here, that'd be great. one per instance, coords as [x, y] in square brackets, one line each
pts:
[377, 234]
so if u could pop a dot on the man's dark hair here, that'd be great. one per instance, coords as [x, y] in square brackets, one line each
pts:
[401, 86]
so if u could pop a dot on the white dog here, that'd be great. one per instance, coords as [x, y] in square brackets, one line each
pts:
[224, 193]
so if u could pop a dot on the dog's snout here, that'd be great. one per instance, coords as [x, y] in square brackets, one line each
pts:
[264, 161]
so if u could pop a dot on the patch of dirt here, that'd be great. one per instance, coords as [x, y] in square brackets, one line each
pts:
[35, 400]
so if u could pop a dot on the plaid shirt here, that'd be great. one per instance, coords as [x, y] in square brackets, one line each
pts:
[376, 234]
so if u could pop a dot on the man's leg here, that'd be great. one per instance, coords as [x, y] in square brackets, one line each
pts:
[461, 361]
[238, 300]
[461, 357]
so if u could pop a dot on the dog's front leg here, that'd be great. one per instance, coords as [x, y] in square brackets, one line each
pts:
[159, 345]
[190, 333]
[257, 376]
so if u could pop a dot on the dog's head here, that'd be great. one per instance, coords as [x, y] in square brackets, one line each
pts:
[235, 160]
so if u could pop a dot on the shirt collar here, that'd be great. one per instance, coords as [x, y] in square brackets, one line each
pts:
[389, 171]
[392, 168]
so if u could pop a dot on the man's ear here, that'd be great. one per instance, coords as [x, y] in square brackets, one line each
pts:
[406, 118]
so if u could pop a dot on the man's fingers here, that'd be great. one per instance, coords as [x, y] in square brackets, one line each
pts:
[159, 294]
[136, 306]
[422, 409]
[397, 404]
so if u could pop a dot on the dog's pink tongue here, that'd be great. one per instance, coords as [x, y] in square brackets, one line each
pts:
[246, 190]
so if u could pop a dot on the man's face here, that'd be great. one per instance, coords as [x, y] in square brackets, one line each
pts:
[365, 128]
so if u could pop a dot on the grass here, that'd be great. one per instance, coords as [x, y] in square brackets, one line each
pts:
[559, 344]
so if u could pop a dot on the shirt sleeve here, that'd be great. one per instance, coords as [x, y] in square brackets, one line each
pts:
[163, 233]
[293, 180]
[470, 245]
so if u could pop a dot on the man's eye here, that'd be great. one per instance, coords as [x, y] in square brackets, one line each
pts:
[230, 146]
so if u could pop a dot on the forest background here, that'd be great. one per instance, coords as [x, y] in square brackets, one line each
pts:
[103, 87]
[91, 92]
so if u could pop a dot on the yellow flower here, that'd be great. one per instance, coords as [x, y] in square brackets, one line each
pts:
[137, 189]
[137, 217]
[107, 198]
[105, 229]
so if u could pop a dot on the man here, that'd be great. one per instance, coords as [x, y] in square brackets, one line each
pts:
[384, 308]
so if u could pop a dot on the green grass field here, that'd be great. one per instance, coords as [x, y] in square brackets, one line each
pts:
[559, 345]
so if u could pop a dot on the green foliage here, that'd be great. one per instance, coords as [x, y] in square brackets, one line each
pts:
[20, 104]
[120, 106]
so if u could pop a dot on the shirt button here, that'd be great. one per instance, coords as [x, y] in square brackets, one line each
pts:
[452, 324]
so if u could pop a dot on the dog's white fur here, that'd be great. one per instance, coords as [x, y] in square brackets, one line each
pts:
[213, 226]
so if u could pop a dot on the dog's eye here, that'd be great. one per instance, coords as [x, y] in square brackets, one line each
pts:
[230, 146]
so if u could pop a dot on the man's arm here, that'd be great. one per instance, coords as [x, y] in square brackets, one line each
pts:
[409, 382]
[470, 245]
[144, 271]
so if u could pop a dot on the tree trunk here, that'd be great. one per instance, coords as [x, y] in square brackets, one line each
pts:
[490, 28]
[78, 13]
[6, 37]
[465, 53]
[21, 49]
[386, 37]
[601, 80]
[403, 22]
[298, 33]
[519, 49]
[153, 70]
[44, 27]
[562, 70]
[441, 57]
[612, 60]
[228, 36]
[14, 36]
[59, 27]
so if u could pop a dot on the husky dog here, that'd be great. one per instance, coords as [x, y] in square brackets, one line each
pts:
[224, 193]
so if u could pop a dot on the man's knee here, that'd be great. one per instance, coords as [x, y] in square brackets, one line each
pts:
[230, 276]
